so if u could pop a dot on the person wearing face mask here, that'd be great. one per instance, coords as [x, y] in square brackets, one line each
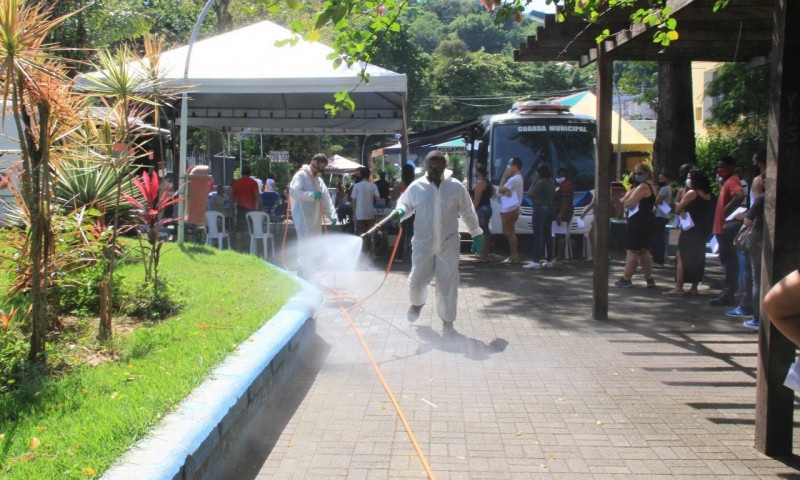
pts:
[563, 209]
[310, 199]
[511, 198]
[730, 198]
[639, 202]
[437, 200]
[658, 248]
[690, 261]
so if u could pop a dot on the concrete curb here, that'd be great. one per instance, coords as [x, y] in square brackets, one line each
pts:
[180, 445]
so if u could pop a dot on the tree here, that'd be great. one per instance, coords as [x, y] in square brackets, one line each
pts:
[741, 97]
[478, 30]
[638, 78]
[675, 139]
[427, 31]
[32, 84]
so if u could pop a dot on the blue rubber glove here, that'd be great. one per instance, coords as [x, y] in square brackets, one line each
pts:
[477, 244]
[399, 212]
[317, 195]
[333, 220]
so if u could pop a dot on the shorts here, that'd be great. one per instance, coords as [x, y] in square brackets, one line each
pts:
[509, 220]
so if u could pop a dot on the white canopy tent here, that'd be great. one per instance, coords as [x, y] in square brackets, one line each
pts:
[338, 165]
[241, 81]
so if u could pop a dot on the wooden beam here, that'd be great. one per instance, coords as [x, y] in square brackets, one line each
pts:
[602, 190]
[774, 402]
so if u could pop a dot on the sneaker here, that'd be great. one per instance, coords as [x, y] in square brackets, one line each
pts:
[548, 264]
[413, 312]
[738, 312]
[533, 265]
[651, 282]
[623, 283]
[752, 324]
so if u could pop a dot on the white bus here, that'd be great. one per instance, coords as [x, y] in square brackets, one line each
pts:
[538, 132]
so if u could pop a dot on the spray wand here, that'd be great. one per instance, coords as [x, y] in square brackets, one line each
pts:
[380, 224]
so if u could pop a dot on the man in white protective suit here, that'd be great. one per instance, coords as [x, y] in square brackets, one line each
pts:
[309, 196]
[437, 199]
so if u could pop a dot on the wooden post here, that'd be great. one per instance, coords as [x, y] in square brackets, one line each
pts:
[774, 402]
[602, 170]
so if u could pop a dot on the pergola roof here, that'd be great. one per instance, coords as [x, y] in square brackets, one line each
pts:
[740, 32]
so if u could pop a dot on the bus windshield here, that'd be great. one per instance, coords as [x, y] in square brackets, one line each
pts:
[560, 145]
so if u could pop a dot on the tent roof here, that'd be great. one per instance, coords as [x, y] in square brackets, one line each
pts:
[340, 165]
[586, 103]
[241, 81]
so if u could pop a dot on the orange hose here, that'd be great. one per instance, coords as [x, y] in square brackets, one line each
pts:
[389, 392]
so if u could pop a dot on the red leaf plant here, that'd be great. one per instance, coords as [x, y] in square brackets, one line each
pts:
[150, 213]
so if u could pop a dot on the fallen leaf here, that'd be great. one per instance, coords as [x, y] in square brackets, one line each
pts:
[175, 407]
[251, 339]
[552, 456]
[519, 434]
[461, 458]
[599, 422]
[41, 429]
[543, 465]
[89, 471]
[383, 407]
[34, 443]
[289, 445]
[114, 395]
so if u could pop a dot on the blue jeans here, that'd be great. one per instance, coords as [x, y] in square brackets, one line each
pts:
[745, 282]
[484, 215]
[542, 222]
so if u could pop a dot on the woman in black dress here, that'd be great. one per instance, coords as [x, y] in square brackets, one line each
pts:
[690, 263]
[639, 203]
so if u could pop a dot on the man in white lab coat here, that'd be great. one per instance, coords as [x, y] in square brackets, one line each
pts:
[437, 200]
[309, 197]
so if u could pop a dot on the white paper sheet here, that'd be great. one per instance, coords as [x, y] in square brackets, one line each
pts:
[632, 211]
[714, 244]
[560, 229]
[510, 201]
[686, 223]
[735, 212]
[580, 223]
[665, 208]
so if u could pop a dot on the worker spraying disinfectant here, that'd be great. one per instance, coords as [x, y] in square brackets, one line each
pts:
[438, 200]
[309, 197]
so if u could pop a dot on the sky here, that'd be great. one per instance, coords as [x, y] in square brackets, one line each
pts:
[541, 6]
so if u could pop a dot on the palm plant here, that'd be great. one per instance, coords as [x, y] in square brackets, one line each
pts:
[33, 83]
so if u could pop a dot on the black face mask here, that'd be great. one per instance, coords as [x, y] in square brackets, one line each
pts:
[435, 175]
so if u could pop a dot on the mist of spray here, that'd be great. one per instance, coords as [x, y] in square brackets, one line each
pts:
[336, 260]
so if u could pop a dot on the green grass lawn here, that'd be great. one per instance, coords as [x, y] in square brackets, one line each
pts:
[76, 425]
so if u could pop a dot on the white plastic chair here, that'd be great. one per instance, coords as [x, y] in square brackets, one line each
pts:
[215, 228]
[258, 224]
[574, 230]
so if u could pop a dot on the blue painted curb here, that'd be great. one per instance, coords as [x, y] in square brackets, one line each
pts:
[190, 434]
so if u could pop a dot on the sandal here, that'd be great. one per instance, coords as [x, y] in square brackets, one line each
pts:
[674, 293]
[510, 260]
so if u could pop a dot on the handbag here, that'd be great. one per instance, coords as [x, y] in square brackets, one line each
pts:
[748, 237]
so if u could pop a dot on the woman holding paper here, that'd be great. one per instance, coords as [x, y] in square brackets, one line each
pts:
[639, 202]
[696, 211]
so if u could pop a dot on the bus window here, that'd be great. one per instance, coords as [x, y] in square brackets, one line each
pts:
[512, 141]
[575, 151]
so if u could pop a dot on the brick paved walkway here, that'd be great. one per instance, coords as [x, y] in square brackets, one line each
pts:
[529, 387]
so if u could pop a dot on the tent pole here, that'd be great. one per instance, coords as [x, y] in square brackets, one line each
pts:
[404, 141]
[185, 119]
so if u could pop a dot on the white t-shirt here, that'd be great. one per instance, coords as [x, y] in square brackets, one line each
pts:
[514, 184]
[365, 193]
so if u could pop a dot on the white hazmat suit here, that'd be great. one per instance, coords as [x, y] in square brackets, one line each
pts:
[436, 243]
[307, 215]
